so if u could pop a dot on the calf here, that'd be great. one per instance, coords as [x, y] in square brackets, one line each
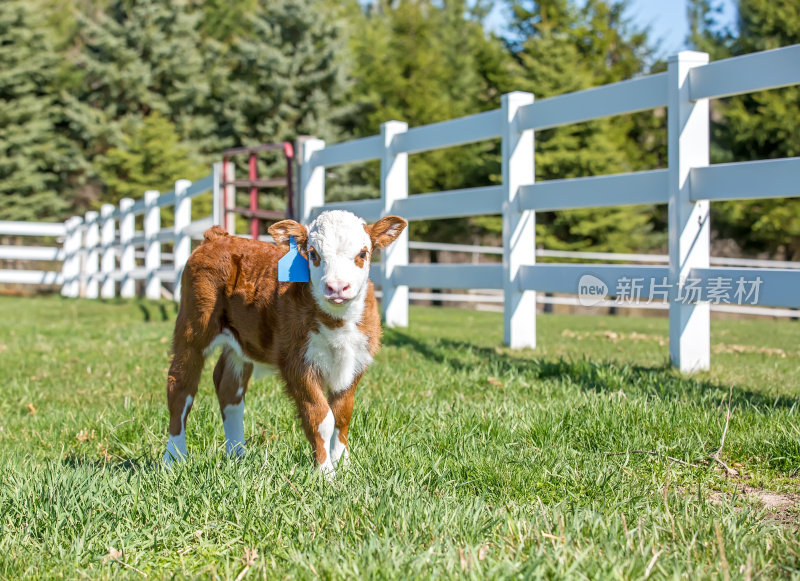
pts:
[320, 336]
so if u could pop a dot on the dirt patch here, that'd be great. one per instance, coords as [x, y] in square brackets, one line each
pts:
[772, 500]
[783, 508]
[774, 352]
[614, 337]
[663, 341]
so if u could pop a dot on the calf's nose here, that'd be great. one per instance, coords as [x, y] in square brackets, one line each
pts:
[336, 288]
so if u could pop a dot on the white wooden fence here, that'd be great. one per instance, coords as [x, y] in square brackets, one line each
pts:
[492, 300]
[54, 253]
[688, 185]
[99, 250]
[159, 273]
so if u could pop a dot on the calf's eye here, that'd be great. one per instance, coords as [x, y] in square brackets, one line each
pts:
[312, 255]
[363, 255]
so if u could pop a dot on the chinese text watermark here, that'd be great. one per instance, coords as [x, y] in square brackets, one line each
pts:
[645, 290]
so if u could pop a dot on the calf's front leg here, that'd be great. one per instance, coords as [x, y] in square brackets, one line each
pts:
[341, 405]
[317, 419]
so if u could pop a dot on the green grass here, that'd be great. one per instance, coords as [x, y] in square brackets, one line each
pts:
[454, 474]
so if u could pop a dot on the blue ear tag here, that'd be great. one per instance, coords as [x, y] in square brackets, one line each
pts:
[293, 267]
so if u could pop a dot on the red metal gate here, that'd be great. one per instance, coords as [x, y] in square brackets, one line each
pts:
[254, 184]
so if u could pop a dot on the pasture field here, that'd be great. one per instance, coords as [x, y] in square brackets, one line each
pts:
[468, 460]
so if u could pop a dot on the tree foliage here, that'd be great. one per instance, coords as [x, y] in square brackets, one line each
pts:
[760, 125]
[149, 157]
[422, 62]
[221, 74]
[34, 158]
[139, 67]
[280, 76]
[405, 54]
[101, 99]
[562, 48]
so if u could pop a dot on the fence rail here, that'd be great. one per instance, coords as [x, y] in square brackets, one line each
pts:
[97, 253]
[32, 253]
[32, 228]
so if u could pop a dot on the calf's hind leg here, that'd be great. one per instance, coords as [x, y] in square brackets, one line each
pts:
[231, 376]
[182, 380]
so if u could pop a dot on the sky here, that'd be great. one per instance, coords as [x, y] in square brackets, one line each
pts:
[667, 20]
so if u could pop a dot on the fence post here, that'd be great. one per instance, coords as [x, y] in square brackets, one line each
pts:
[108, 258]
[217, 200]
[689, 224]
[519, 227]
[183, 242]
[92, 249]
[229, 199]
[394, 186]
[312, 178]
[71, 267]
[152, 253]
[127, 257]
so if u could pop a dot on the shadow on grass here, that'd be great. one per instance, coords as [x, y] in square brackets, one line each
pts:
[146, 309]
[151, 310]
[594, 375]
[130, 465]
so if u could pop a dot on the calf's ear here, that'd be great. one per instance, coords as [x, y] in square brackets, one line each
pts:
[281, 231]
[385, 231]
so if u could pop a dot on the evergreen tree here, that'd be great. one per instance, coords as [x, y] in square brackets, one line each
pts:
[282, 75]
[760, 125]
[224, 20]
[222, 74]
[418, 61]
[562, 48]
[136, 57]
[150, 157]
[34, 158]
[62, 19]
[422, 62]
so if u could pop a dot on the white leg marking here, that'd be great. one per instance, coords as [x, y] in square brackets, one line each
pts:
[236, 358]
[233, 423]
[176, 445]
[228, 342]
[225, 339]
[338, 450]
[325, 431]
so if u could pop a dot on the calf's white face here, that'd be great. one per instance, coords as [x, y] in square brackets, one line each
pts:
[339, 250]
[339, 245]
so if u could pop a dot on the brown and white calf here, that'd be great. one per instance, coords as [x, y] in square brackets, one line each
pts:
[320, 336]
